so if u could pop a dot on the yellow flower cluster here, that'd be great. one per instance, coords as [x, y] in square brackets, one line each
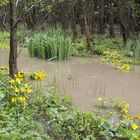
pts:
[100, 99]
[31, 76]
[20, 90]
[117, 59]
[119, 109]
[4, 69]
[134, 126]
[21, 75]
[124, 67]
[39, 75]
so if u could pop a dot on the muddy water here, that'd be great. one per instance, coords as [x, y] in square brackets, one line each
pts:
[85, 79]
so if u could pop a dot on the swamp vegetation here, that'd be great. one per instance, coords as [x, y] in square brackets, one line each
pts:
[58, 31]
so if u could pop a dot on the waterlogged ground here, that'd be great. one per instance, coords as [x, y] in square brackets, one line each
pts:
[85, 79]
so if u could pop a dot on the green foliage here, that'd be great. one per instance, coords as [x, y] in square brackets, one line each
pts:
[16, 118]
[79, 47]
[4, 3]
[5, 37]
[103, 43]
[4, 40]
[53, 44]
[128, 49]
[50, 116]
[116, 120]
[120, 62]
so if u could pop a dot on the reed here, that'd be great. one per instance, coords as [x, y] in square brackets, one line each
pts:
[53, 44]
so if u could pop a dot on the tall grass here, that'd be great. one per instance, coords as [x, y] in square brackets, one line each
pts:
[52, 44]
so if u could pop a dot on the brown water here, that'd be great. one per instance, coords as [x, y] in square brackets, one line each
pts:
[85, 79]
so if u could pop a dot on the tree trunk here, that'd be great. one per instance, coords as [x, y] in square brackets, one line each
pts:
[124, 21]
[87, 31]
[111, 20]
[13, 39]
[101, 23]
[73, 20]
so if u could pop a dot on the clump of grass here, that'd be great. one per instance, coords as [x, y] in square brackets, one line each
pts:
[53, 44]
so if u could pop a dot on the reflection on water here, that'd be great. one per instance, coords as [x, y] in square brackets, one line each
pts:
[85, 79]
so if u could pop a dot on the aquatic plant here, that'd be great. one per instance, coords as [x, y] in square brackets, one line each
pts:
[53, 44]
[125, 125]
[20, 115]
[120, 62]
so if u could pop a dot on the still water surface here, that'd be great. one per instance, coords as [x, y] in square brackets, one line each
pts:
[85, 79]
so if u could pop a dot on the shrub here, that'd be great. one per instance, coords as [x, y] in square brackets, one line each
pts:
[103, 43]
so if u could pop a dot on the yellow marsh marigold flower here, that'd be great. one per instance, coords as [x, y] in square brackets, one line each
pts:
[125, 111]
[22, 99]
[126, 106]
[29, 90]
[106, 53]
[137, 117]
[16, 89]
[12, 81]
[22, 89]
[134, 126]
[100, 99]
[26, 86]
[13, 100]
[18, 80]
[115, 99]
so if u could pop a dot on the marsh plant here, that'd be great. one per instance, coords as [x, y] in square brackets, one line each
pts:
[42, 114]
[52, 44]
[118, 60]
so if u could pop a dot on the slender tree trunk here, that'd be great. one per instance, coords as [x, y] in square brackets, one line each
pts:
[73, 22]
[111, 20]
[13, 39]
[124, 21]
[87, 31]
[101, 23]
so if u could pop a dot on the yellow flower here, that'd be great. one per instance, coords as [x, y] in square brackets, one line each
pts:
[134, 126]
[29, 74]
[29, 90]
[22, 99]
[12, 81]
[100, 99]
[22, 89]
[106, 53]
[26, 86]
[126, 106]
[125, 111]
[35, 77]
[16, 89]
[13, 100]
[137, 117]
[116, 99]
[18, 80]
[111, 113]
